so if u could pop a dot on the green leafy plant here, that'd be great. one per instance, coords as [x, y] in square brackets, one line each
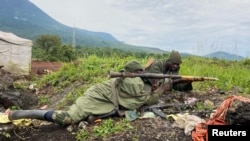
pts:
[82, 135]
[199, 106]
[44, 99]
[105, 128]
[5, 134]
[15, 108]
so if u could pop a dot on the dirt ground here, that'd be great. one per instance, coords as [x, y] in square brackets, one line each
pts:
[40, 68]
[148, 129]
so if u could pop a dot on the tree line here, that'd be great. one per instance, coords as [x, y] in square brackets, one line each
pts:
[50, 48]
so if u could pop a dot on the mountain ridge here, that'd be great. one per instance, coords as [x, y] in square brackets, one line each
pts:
[224, 55]
[26, 20]
[19, 11]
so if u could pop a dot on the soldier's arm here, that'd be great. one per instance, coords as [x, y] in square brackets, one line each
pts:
[156, 94]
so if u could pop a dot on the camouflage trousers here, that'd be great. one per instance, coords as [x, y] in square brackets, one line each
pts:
[61, 117]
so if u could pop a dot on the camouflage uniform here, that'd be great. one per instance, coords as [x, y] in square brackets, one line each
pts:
[132, 93]
[161, 66]
[129, 93]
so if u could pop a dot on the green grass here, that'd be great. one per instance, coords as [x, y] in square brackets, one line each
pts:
[230, 74]
[92, 69]
[105, 128]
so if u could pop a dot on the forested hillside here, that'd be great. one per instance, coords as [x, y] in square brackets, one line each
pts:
[26, 20]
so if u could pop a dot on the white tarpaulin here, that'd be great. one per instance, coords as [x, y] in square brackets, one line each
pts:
[15, 53]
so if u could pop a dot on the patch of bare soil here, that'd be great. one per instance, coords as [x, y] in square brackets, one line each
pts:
[149, 129]
[40, 68]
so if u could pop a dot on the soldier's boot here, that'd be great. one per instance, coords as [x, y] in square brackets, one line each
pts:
[92, 118]
[29, 114]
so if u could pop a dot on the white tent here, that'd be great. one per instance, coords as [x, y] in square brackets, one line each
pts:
[15, 53]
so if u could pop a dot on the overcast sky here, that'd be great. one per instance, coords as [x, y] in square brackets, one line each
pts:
[192, 26]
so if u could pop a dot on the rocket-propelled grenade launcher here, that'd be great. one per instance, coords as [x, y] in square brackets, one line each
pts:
[112, 74]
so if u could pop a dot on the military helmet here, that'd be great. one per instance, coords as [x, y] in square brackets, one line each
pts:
[175, 57]
[132, 66]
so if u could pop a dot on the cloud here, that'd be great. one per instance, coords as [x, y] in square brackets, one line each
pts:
[192, 26]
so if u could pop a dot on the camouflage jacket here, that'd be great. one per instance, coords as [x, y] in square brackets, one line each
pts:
[132, 93]
[157, 66]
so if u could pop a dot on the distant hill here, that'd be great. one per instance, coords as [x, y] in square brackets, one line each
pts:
[26, 20]
[218, 55]
[224, 55]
